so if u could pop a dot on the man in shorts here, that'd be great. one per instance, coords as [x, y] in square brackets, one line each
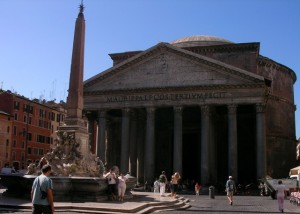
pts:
[230, 189]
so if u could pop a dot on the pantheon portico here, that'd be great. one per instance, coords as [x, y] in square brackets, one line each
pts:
[201, 105]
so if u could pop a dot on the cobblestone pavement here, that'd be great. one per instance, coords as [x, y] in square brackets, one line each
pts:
[241, 204]
[219, 205]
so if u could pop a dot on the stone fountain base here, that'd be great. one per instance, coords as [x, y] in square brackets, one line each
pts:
[75, 189]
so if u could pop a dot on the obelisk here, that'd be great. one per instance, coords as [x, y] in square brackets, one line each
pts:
[74, 121]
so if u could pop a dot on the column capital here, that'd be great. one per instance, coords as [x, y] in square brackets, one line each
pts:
[205, 109]
[232, 108]
[260, 108]
[102, 113]
[178, 109]
[150, 110]
[125, 111]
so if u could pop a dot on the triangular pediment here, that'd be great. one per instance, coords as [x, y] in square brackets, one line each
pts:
[166, 66]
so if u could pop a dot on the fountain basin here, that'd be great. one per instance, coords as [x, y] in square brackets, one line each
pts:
[64, 188]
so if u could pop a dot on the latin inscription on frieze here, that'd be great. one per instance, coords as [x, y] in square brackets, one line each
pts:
[160, 97]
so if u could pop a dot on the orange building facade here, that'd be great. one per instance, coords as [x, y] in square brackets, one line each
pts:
[27, 129]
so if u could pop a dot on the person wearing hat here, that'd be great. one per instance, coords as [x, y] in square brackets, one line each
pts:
[230, 189]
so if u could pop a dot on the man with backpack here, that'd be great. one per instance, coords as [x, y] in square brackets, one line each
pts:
[230, 189]
[162, 183]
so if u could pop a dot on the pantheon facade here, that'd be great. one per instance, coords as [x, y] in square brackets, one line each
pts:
[200, 105]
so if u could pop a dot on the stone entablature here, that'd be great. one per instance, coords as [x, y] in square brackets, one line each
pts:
[174, 98]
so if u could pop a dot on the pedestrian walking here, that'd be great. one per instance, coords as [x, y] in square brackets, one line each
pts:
[281, 194]
[162, 183]
[42, 193]
[230, 189]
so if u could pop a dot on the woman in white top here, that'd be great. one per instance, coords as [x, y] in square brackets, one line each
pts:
[280, 195]
[121, 186]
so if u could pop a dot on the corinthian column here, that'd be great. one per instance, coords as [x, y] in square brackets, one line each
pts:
[204, 144]
[260, 141]
[101, 135]
[177, 149]
[125, 141]
[150, 146]
[232, 141]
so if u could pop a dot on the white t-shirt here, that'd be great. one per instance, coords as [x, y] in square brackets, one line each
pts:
[122, 180]
[280, 190]
[111, 178]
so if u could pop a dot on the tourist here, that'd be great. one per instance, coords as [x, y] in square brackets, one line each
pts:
[281, 194]
[42, 192]
[121, 186]
[112, 181]
[230, 189]
[162, 183]
[156, 186]
[174, 180]
[197, 188]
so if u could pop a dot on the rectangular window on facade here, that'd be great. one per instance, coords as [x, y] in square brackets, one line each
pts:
[24, 108]
[13, 155]
[17, 105]
[28, 150]
[6, 155]
[41, 113]
[8, 129]
[30, 119]
[25, 119]
[41, 152]
[16, 116]
[23, 144]
[40, 138]
[24, 132]
[15, 130]
[7, 142]
[29, 136]
[14, 143]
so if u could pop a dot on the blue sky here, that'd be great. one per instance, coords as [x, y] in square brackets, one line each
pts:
[37, 35]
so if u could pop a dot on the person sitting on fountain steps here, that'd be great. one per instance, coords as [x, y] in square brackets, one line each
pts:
[42, 193]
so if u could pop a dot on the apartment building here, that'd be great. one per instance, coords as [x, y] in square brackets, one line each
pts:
[27, 128]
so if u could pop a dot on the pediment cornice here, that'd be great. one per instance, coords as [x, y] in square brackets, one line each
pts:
[254, 46]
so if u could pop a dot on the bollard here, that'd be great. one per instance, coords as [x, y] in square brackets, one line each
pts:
[211, 191]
